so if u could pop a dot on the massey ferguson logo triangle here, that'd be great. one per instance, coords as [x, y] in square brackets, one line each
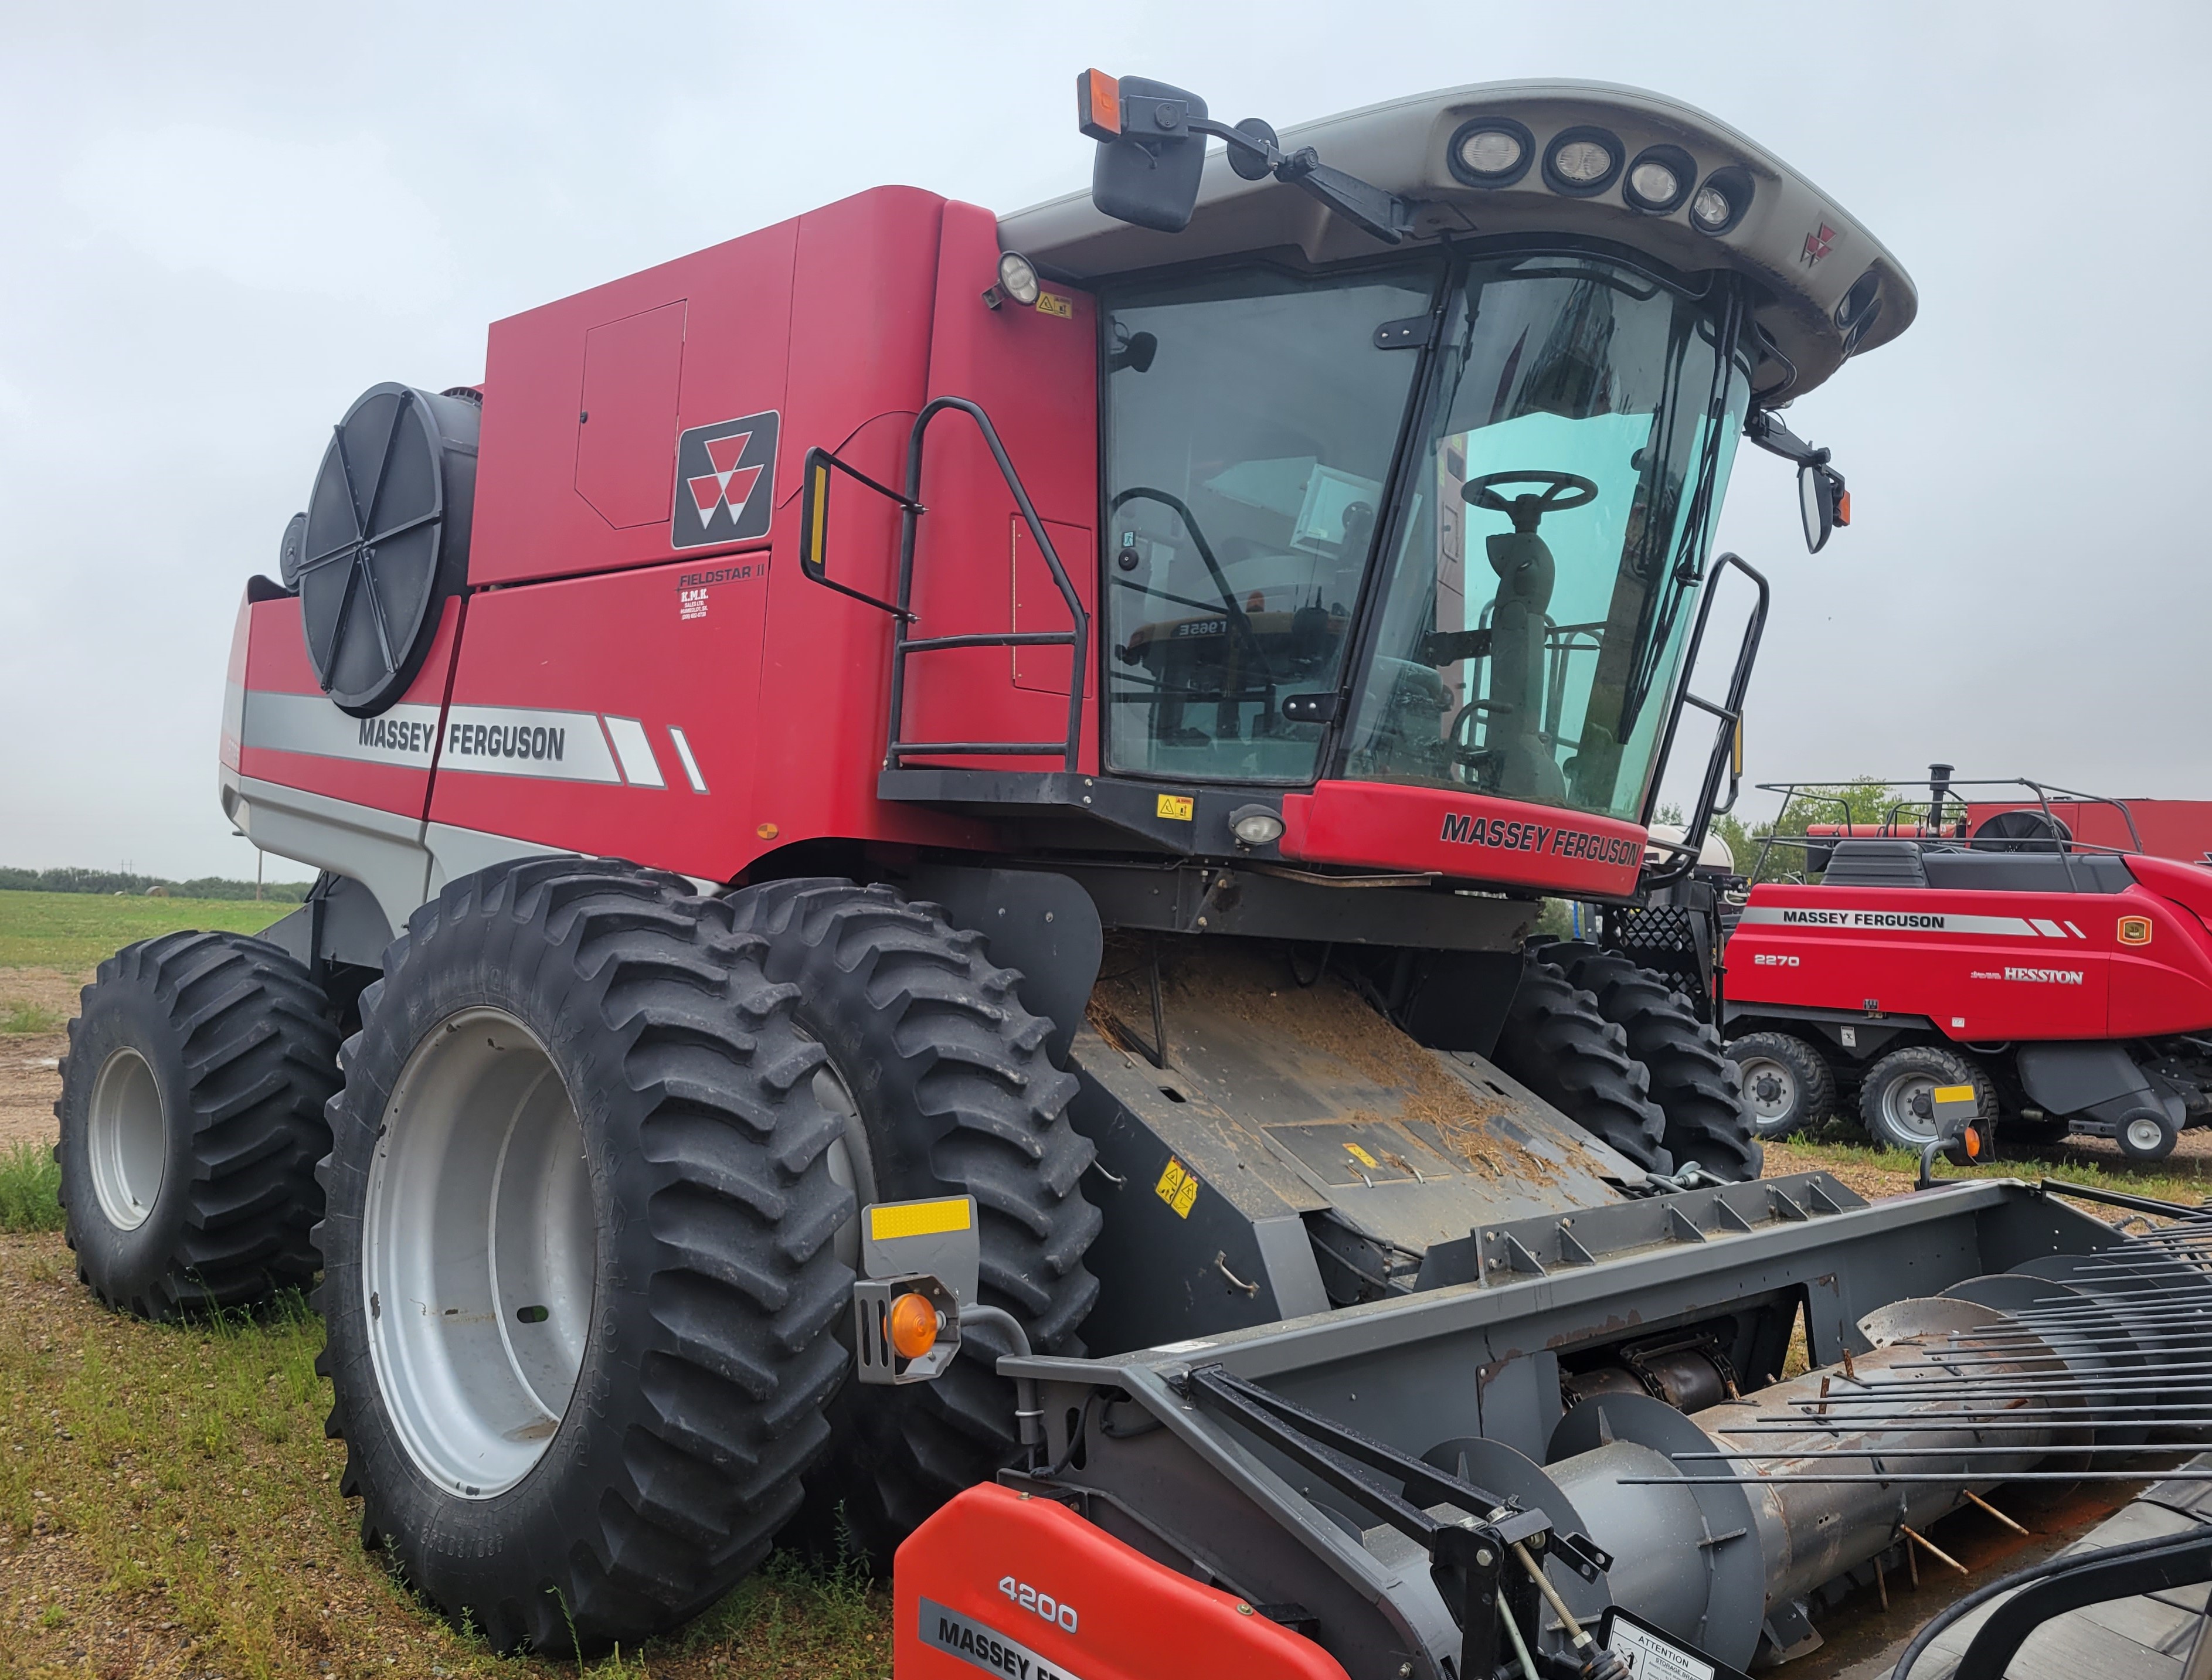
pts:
[726, 478]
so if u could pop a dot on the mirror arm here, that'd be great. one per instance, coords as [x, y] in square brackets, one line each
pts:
[1766, 428]
[1388, 217]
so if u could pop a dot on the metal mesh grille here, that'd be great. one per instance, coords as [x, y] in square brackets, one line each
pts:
[1660, 929]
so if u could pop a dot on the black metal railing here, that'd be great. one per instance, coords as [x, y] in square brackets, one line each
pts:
[1728, 742]
[814, 522]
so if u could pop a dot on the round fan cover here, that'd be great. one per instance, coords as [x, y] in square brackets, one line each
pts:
[386, 541]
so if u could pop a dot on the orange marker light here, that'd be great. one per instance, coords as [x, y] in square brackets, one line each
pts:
[1099, 105]
[913, 1327]
[1843, 508]
[1972, 1138]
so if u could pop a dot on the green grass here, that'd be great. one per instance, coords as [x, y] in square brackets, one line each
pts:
[72, 931]
[30, 1188]
[16, 1015]
[173, 1485]
[2181, 1179]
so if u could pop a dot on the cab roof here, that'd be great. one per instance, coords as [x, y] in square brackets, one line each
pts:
[1826, 287]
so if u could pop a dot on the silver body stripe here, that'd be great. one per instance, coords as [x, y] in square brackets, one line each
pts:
[1895, 921]
[485, 740]
[519, 741]
[406, 736]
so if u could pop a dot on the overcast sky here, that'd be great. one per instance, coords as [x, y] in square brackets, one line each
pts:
[219, 224]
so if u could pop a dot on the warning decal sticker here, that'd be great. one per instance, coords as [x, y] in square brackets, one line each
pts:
[725, 481]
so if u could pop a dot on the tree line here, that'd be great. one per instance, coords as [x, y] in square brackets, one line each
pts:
[113, 881]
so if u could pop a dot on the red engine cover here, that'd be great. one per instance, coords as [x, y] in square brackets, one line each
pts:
[1023, 1588]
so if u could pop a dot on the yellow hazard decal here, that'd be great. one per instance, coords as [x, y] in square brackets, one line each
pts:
[1361, 1155]
[1178, 1188]
[1953, 1094]
[886, 1223]
[1175, 807]
[1051, 303]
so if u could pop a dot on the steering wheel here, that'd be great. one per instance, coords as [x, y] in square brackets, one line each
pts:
[1562, 490]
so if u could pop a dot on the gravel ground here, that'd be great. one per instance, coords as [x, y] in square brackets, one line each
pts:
[30, 1062]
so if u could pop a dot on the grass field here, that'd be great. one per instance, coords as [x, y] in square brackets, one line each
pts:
[75, 931]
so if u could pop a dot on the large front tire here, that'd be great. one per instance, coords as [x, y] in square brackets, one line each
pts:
[1696, 1086]
[580, 1284]
[191, 1119]
[1557, 1044]
[950, 1092]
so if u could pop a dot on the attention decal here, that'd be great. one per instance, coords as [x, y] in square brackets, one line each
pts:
[725, 481]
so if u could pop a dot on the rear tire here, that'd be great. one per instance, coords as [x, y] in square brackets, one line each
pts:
[581, 1288]
[1788, 1084]
[191, 1119]
[1889, 1094]
[1557, 1044]
[1691, 1080]
[952, 1094]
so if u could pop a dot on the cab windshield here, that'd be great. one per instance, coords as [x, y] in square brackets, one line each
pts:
[1539, 579]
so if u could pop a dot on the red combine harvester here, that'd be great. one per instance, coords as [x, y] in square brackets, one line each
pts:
[958, 802]
[2068, 982]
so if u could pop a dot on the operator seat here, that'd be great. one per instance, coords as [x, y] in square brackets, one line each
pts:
[1526, 768]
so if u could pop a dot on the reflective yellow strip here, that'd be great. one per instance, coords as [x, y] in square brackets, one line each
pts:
[821, 514]
[917, 1219]
[1954, 1094]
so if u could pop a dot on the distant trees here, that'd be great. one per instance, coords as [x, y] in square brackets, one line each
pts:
[1867, 799]
[110, 882]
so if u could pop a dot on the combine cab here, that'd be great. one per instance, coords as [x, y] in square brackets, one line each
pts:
[1017, 758]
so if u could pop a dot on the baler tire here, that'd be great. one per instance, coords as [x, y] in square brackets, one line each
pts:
[205, 1059]
[953, 1095]
[1812, 1080]
[675, 1195]
[1935, 1065]
[1557, 1044]
[1695, 1085]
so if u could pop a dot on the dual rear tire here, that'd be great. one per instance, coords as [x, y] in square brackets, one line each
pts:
[591, 1234]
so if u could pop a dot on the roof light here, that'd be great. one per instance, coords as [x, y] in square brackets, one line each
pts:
[1655, 181]
[913, 1325]
[1718, 205]
[1491, 151]
[1583, 162]
[1255, 825]
[1659, 179]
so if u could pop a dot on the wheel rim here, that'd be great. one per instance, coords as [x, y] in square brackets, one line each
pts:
[1771, 1090]
[128, 1145]
[479, 1254]
[1897, 1105]
[2144, 1134]
[851, 1162]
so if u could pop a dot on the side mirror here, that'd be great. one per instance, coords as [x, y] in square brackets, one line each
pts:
[1149, 157]
[1823, 501]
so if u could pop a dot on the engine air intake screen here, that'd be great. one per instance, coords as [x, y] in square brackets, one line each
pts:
[386, 541]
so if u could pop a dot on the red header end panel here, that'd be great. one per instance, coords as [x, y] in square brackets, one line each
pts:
[1035, 371]
[1019, 1587]
[278, 726]
[693, 701]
